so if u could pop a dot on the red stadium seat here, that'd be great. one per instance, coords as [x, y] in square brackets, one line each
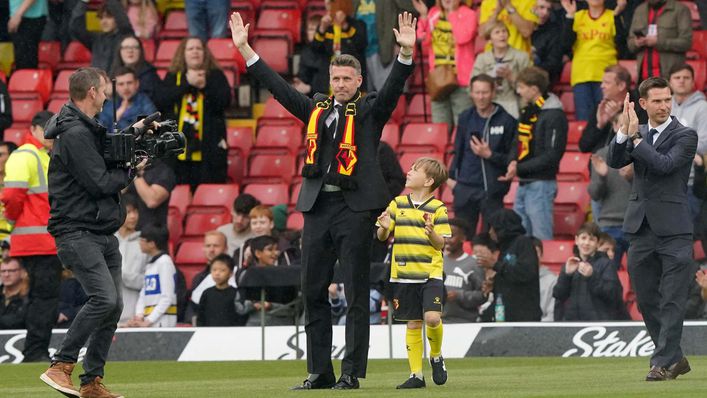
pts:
[510, 197]
[165, 53]
[574, 166]
[631, 67]
[417, 110]
[189, 272]
[174, 226]
[148, 47]
[634, 312]
[49, 54]
[699, 43]
[574, 134]
[15, 134]
[180, 199]
[281, 19]
[700, 72]
[191, 253]
[198, 224]
[566, 224]
[239, 139]
[424, 137]
[236, 167]
[391, 135]
[213, 198]
[694, 13]
[23, 110]
[278, 139]
[276, 114]
[407, 159]
[271, 168]
[295, 221]
[3, 77]
[399, 112]
[55, 105]
[567, 99]
[565, 78]
[416, 83]
[556, 253]
[75, 56]
[246, 9]
[275, 49]
[227, 54]
[571, 197]
[698, 252]
[30, 84]
[232, 76]
[294, 193]
[175, 25]
[269, 194]
[625, 284]
[447, 196]
[61, 85]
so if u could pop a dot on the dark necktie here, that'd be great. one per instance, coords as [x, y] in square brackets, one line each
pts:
[651, 134]
[335, 123]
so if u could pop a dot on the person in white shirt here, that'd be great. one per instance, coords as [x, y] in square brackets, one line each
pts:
[134, 260]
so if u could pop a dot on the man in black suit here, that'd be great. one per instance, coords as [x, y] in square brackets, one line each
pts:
[657, 221]
[342, 193]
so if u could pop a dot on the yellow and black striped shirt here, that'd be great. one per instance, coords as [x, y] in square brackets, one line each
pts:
[414, 258]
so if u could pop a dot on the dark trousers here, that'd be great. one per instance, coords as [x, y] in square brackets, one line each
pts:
[661, 269]
[96, 262]
[333, 231]
[26, 42]
[44, 280]
[477, 204]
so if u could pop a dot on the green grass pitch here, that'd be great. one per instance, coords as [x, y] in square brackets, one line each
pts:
[470, 377]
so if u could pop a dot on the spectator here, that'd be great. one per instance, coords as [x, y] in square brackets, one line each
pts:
[157, 304]
[132, 104]
[518, 17]
[144, 17]
[503, 63]
[14, 298]
[591, 35]
[196, 93]
[217, 305]
[5, 108]
[607, 245]
[27, 207]
[279, 303]
[463, 278]
[134, 260]
[609, 187]
[486, 252]
[59, 16]
[516, 281]
[114, 25]
[588, 288]
[238, 231]
[615, 84]
[448, 31]
[546, 49]
[71, 299]
[6, 148]
[130, 53]
[484, 148]
[27, 19]
[313, 76]
[701, 280]
[214, 245]
[337, 301]
[207, 18]
[548, 280]
[379, 16]
[390, 168]
[152, 187]
[661, 34]
[262, 224]
[542, 136]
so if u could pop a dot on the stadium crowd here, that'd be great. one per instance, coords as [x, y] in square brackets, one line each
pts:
[519, 98]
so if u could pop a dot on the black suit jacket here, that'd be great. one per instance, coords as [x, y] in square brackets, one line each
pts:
[372, 113]
[659, 191]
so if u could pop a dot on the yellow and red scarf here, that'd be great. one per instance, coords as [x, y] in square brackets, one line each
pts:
[346, 157]
[526, 123]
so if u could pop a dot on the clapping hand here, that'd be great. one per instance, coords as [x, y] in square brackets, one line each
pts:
[599, 165]
[629, 119]
[571, 265]
[701, 278]
[421, 8]
[585, 269]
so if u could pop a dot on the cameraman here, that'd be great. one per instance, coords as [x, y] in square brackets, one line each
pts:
[84, 196]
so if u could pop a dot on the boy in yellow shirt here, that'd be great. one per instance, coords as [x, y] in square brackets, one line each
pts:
[419, 223]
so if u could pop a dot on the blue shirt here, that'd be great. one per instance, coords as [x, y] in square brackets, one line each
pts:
[38, 9]
[366, 13]
[141, 106]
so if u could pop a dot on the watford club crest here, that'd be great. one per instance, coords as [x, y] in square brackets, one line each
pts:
[347, 159]
[437, 300]
[396, 304]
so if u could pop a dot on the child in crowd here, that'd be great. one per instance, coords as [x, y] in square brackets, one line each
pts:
[134, 260]
[486, 253]
[607, 245]
[216, 307]
[157, 303]
[588, 288]
[420, 224]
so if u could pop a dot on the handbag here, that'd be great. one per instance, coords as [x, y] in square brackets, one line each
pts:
[441, 82]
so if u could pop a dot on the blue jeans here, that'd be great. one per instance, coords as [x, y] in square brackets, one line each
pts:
[96, 262]
[534, 203]
[586, 98]
[617, 233]
[207, 18]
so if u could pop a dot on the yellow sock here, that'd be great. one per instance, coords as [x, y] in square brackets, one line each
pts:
[434, 336]
[413, 341]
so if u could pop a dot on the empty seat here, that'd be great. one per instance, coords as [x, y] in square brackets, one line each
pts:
[424, 137]
[227, 54]
[700, 72]
[565, 78]
[399, 112]
[276, 114]
[567, 99]
[212, 198]
[55, 105]
[198, 224]
[180, 199]
[571, 197]
[699, 43]
[148, 49]
[574, 166]
[275, 50]
[289, 20]
[295, 221]
[566, 224]
[239, 139]
[175, 226]
[556, 253]
[76, 55]
[271, 168]
[694, 12]
[574, 134]
[189, 272]
[391, 134]
[278, 138]
[30, 83]
[165, 53]
[191, 253]
[698, 252]
[175, 25]
[23, 110]
[236, 167]
[246, 9]
[61, 84]
[15, 134]
[269, 194]
[294, 193]
[419, 110]
[632, 67]
[49, 53]
[625, 284]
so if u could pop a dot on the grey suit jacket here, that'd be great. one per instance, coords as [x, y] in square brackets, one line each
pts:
[661, 171]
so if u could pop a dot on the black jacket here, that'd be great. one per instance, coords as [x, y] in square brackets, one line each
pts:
[594, 138]
[314, 70]
[548, 143]
[597, 298]
[5, 108]
[102, 45]
[150, 82]
[517, 276]
[84, 194]
[12, 315]
[393, 174]
[547, 48]
[373, 111]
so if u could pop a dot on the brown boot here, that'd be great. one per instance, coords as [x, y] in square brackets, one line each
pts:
[58, 377]
[96, 389]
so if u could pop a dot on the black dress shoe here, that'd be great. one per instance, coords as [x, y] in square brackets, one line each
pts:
[657, 374]
[317, 382]
[679, 368]
[346, 382]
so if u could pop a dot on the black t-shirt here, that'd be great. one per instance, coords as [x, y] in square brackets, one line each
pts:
[158, 172]
[217, 307]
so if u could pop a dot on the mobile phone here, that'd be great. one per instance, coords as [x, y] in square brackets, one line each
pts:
[639, 33]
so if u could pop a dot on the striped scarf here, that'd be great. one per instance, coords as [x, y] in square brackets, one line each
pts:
[526, 123]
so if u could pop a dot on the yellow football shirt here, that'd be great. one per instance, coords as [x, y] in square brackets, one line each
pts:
[443, 42]
[595, 47]
[524, 8]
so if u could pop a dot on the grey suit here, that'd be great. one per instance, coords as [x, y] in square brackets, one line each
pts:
[659, 228]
